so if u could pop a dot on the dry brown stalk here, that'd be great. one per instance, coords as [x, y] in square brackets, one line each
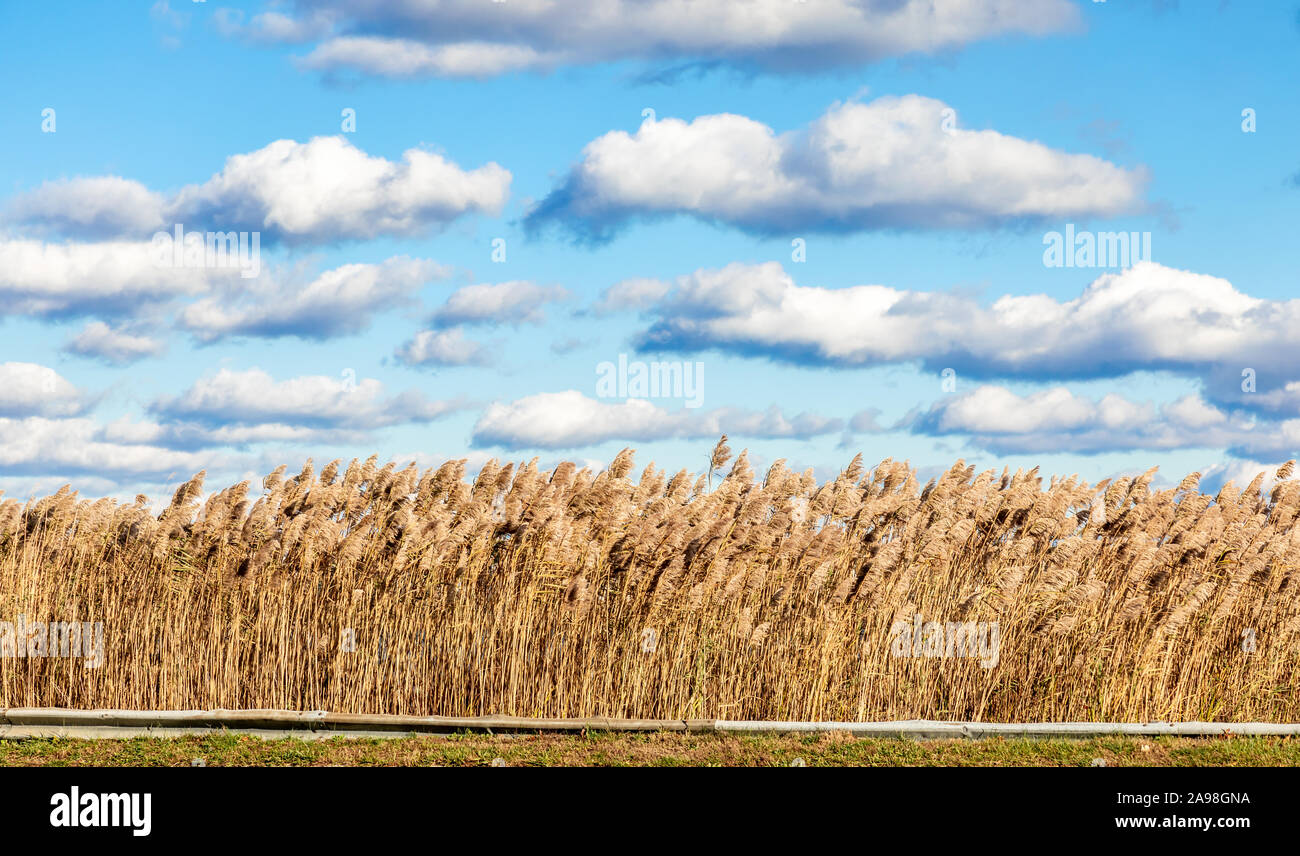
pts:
[573, 593]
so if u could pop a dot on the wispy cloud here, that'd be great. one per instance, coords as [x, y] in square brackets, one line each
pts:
[338, 302]
[515, 302]
[457, 38]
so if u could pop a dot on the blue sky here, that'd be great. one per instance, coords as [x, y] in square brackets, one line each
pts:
[821, 122]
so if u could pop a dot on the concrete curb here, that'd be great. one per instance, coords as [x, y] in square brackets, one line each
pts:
[21, 723]
[924, 729]
[30, 723]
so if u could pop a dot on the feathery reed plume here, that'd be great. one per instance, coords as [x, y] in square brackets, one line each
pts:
[382, 588]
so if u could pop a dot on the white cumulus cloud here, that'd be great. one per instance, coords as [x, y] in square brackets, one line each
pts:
[895, 162]
[321, 191]
[77, 448]
[116, 346]
[1058, 420]
[569, 419]
[30, 389]
[254, 399]
[1145, 318]
[103, 278]
[100, 206]
[443, 348]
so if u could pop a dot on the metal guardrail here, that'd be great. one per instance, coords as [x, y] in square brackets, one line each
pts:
[29, 723]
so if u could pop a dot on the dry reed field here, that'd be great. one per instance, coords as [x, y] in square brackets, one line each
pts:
[727, 595]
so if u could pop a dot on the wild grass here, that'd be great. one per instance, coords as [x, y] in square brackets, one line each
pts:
[660, 749]
[581, 593]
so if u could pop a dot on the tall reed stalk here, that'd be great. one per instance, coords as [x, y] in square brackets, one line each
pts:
[577, 593]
